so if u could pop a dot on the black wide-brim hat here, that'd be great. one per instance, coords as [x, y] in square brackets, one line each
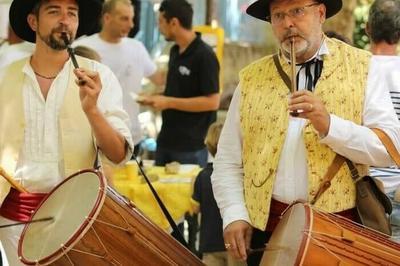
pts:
[260, 8]
[89, 14]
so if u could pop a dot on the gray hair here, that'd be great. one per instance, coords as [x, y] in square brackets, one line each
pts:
[384, 21]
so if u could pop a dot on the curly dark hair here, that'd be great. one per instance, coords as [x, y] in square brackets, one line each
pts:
[384, 21]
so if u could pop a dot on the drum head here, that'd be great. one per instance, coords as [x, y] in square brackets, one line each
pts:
[287, 238]
[73, 204]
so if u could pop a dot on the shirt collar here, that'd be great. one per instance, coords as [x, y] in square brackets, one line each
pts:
[191, 46]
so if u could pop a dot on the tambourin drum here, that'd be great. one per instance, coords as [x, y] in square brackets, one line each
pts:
[306, 236]
[94, 225]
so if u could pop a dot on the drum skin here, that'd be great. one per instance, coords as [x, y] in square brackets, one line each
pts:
[117, 234]
[305, 236]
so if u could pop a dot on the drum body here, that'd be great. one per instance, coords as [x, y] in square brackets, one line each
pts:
[94, 225]
[305, 236]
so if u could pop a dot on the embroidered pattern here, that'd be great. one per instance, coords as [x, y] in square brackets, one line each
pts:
[264, 120]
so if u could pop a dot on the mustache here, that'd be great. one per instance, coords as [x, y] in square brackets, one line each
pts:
[292, 33]
[62, 28]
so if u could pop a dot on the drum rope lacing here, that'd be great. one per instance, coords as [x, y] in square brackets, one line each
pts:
[96, 255]
[65, 253]
[322, 245]
[113, 225]
[314, 236]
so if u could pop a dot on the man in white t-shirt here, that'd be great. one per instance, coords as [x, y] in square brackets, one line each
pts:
[127, 58]
[383, 28]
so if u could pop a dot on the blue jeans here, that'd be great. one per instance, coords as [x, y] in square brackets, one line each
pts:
[164, 156]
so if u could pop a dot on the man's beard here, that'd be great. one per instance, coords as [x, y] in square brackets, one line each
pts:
[301, 45]
[53, 42]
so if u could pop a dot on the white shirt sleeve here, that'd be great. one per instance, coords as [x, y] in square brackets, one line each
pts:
[110, 103]
[227, 177]
[149, 67]
[358, 142]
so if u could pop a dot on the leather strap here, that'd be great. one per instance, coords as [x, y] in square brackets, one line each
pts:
[282, 73]
[330, 174]
[339, 160]
[387, 142]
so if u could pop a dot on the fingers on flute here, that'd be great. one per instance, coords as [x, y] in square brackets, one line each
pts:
[80, 82]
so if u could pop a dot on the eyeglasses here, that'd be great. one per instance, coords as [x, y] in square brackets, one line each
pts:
[294, 13]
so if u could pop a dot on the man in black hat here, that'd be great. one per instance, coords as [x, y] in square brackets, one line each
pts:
[52, 116]
[277, 145]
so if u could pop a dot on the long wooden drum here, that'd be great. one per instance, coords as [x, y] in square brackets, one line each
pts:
[93, 225]
[306, 236]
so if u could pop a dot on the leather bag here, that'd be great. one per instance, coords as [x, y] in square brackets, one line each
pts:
[373, 206]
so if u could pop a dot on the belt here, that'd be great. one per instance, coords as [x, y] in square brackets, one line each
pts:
[278, 207]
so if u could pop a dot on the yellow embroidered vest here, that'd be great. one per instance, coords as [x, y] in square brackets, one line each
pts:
[78, 146]
[264, 120]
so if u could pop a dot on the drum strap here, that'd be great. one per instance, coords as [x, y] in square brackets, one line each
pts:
[339, 160]
[96, 163]
[175, 231]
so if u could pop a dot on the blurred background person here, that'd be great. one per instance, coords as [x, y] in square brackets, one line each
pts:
[127, 57]
[87, 52]
[334, 34]
[211, 237]
[383, 28]
[191, 96]
[15, 49]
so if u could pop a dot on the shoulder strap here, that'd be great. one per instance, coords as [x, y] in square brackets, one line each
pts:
[339, 160]
[282, 73]
[387, 142]
[330, 174]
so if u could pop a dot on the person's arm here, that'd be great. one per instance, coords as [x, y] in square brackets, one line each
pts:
[227, 176]
[227, 183]
[158, 78]
[358, 142]
[110, 141]
[209, 97]
[192, 104]
[150, 71]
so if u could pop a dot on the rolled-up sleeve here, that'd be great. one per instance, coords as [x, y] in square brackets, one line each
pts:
[110, 104]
